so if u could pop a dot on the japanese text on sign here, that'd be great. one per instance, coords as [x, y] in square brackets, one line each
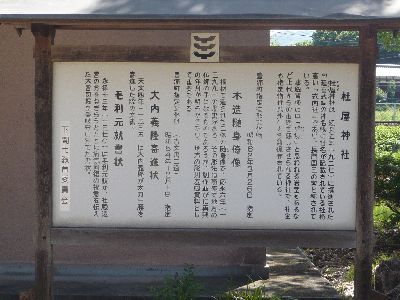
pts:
[180, 145]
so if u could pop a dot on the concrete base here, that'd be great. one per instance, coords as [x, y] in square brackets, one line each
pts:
[291, 275]
[106, 280]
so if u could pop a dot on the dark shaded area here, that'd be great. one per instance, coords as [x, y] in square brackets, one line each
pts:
[93, 290]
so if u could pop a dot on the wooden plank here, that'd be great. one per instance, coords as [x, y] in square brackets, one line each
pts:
[290, 54]
[200, 237]
[234, 22]
[205, 24]
[365, 172]
[43, 159]
[227, 54]
[119, 53]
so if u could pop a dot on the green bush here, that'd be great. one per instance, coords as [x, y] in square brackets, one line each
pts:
[384, 217]
[181, 287]
[387, 167]
[386, 112]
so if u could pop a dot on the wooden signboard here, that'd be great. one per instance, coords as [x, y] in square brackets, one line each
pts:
[279, 164]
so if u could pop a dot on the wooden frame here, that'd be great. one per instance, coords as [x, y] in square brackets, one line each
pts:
[206, 22]
[200, 237]
[365, 172]
[364, 55]
[228, 54]
[43, 159]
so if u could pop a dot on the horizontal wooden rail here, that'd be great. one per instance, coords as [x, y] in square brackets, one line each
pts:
[203, 237]
[290, 54]
[119, 53]
[209, 22]
[227, 54]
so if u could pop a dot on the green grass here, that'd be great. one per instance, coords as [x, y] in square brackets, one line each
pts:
[247, 294]
[181, 287]
[350, 273]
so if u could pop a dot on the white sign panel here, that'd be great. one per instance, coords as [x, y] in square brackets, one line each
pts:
[180, 145]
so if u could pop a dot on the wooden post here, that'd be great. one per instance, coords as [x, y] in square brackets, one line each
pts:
[365, 172]
[43, 159]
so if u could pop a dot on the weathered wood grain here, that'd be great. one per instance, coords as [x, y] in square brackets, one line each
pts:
[43, 160]
[232, 22]
[365, 171]
[103, 53]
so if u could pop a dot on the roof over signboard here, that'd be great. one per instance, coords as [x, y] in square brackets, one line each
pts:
[384, 14]
[336, 9]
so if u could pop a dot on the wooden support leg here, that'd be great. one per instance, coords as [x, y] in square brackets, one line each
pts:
[365, 188]
[43, 159]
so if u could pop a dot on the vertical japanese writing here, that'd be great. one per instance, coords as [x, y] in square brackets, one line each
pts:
[214, 148]
[177, 99]
[88, 122]
[167, 182]
[65, 171]
[237, 128]
[140, 114]
[314, 153]
[105, 167]
[215, 105]
[330, 87]
[207, 146]
[238, 132]
[316, 82]
[205, 76]
[288, 145]
[324, 90]
[118, 129]
[189, 92]
[250, 174]
[290, 136]
[259, 106]
[279, 138]
[297, 142]
[223, 151]
[140, 148]
[132, 99]
[96, 144]
[197, 178]
[214, 181]
[176, 154]
[197, 136]
[345, 133]
[154, 135]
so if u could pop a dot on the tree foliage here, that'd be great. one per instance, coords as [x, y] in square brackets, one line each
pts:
[332, 38]
[387, 166]
[387, 42]
[381, 95]
[304, 43]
